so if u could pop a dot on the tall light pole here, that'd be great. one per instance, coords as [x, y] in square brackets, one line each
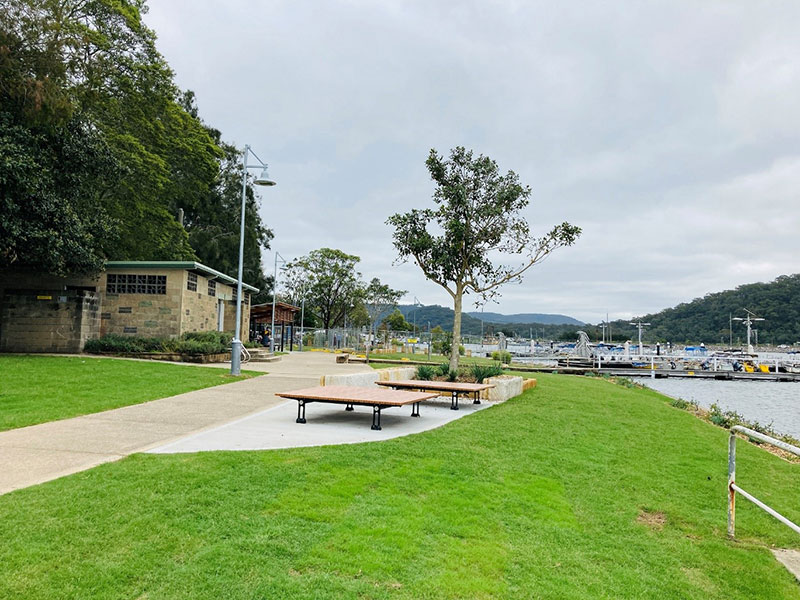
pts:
[274, 296]
[302, 319]
[263, 179]
[640, 325]
[749, 320]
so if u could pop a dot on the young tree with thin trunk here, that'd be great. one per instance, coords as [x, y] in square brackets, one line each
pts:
[476, 218]
[379, 299]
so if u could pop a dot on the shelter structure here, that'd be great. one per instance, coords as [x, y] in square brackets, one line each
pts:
[261, 321]
[45, 313]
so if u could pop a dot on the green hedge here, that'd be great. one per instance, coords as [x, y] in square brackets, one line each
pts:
[196, 342]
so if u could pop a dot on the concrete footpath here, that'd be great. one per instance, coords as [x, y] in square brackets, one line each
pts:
[40, 453]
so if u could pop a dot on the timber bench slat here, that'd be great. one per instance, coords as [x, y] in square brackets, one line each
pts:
[377, 398]
[456, 388]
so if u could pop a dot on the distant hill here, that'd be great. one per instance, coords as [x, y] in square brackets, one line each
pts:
[443, 317]
[545, 319]
[706, 319]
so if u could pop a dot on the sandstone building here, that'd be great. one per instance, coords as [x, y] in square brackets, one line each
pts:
[43, 313]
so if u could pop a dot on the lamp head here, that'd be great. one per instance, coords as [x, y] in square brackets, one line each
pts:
[264, 179]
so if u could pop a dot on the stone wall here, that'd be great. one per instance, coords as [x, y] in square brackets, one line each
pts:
[143, 315]
[167, 315]
[198, 309]
[54, 320]
[369, 378]
[230, 316]
[505, 388]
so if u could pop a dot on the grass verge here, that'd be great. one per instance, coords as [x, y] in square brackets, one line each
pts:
[38, 389]
[576, 489]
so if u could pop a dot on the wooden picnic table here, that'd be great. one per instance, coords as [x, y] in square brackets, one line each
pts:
[350, 396]
[456, 388]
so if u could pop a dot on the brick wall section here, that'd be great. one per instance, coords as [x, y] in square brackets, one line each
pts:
[199, 310]
[230, 316]
[143, 315]
[47, 320]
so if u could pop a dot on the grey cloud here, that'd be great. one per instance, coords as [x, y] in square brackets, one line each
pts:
[667, 130]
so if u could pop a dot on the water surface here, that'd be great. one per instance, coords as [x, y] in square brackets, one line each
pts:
[767, 402]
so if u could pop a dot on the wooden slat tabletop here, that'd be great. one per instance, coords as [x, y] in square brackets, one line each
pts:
[346, 394]
[444, 386]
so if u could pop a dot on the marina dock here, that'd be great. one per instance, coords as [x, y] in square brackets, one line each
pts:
[662, 373]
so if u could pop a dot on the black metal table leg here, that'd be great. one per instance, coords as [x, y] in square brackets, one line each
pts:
[415, 409]
[376, 418]
[454, 401]
[301, 411]
[477, 398]
[349, 407]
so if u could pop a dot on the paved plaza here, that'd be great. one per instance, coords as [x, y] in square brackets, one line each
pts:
[245, 415]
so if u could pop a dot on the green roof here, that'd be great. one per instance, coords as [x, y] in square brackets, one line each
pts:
[186, 265]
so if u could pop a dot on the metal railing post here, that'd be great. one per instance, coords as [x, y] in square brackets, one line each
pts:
[731, 482]
[733, 488]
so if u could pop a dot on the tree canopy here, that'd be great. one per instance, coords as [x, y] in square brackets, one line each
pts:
[707, 319]
[100, 148]
[330, 283]
[476, 218]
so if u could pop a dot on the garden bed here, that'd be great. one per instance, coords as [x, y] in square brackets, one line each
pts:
[216, 357]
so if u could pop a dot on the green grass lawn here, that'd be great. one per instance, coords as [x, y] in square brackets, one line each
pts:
[576, 489]
[37, 389]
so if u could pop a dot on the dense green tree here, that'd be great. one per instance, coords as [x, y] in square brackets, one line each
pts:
[52, 180]
[84, 81]
[706, 319]
[477, 217]
[397, 322]
[331, 283]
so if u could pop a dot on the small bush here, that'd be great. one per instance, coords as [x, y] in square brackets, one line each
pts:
[442, 369]
[452, 375]
[120, 343]
[196, 342]
[684, 404]
[461, 350]
[724, 418]
[220, 338]
[481, 372]
[426, 372]
[502, 356]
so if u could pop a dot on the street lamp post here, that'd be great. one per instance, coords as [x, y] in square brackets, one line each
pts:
[263, 179]
[749, 320]
[274, 295]
[640, 325]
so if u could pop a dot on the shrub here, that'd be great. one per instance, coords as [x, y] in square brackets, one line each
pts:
[220, 338]
[724, 418]
[502, 356]
[684, 404]
[461, 350]
[452, 375]
[196, 342]
[426, 372]
[481, 372]
[442, 369]
[119, 343]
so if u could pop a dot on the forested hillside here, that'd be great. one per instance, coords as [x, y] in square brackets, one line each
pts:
[548, 319]
[707, 319]
[443, 317]
[100, 149]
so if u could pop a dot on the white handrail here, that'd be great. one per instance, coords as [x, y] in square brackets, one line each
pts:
[733, 488]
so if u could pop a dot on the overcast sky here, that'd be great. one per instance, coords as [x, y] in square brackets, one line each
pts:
[669, 131]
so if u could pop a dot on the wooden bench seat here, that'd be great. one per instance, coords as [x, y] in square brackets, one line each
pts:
[350, 396]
